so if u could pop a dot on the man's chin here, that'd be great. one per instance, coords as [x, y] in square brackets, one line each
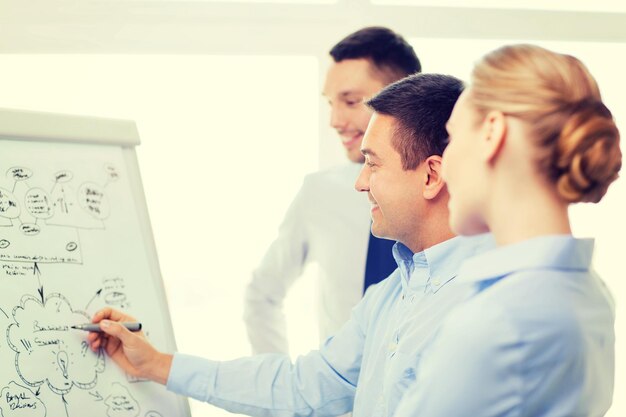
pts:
[379, 233]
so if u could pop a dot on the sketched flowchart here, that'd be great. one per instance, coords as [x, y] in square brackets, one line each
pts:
[40, 335]
[49, 355]
[74, 237]
[53, 360]
[41, 225]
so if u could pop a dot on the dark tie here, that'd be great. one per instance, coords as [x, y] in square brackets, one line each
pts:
[380, 262]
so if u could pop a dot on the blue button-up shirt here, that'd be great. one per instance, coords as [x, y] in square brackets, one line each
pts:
[535, 339]
[364, 367]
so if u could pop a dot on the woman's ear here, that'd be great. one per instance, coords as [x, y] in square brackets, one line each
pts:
[493, 135]
[433, 182]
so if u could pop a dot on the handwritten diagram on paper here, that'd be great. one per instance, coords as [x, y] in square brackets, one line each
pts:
[70, 244]
[41, 224]
[40, 333]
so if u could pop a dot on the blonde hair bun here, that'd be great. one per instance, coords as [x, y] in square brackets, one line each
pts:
[587, 157]
[575, 134]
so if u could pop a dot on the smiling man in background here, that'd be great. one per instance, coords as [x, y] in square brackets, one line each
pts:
[328, 222]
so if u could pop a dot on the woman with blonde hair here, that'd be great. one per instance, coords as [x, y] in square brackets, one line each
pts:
[535, 337]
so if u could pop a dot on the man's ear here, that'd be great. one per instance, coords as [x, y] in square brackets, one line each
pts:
[493, 135]
[433, 182]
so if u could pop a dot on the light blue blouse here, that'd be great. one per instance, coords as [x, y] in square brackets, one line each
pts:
[535, 339]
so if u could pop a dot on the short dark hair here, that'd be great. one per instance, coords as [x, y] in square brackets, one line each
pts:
[388, 51]
[421, 105]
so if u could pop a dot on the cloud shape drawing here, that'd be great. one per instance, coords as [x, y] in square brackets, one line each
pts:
[48, 350]
[120, 403]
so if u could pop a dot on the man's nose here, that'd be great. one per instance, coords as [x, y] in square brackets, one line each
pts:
[363, 180]
[337, 118]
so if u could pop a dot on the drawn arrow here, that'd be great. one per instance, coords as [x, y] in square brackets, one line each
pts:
[38, 391]
[37, 272]
[65, 405]
[64, 200]
[97, 294]
[97, 396]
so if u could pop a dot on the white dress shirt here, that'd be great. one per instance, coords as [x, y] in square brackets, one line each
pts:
[328, 223]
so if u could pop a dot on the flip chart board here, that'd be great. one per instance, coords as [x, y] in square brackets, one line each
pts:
[74, 237]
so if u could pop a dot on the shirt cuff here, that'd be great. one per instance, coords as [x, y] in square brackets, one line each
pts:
[192, 376]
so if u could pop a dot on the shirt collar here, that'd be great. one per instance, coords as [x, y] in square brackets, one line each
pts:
[563, 252]
[441, 261]
[406, 261]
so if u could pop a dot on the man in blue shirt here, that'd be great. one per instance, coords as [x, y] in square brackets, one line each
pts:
[368, 364]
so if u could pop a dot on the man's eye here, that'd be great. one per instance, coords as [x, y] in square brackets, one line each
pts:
[353, 102]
